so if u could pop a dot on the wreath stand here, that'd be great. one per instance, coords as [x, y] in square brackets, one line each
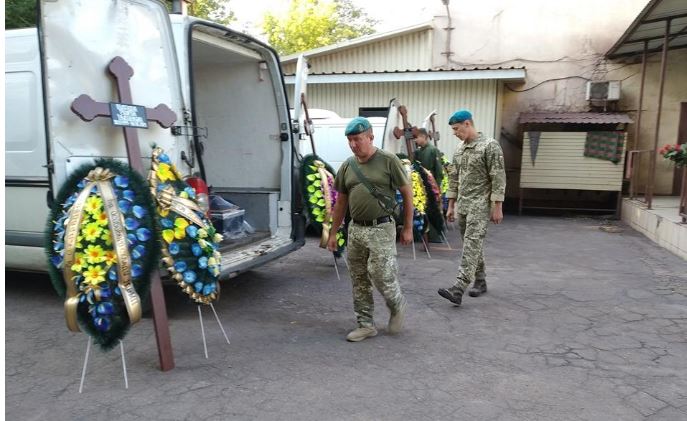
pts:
[85, 364]
[202, 328]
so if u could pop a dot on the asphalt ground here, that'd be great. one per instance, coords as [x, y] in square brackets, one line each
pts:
[579, 323]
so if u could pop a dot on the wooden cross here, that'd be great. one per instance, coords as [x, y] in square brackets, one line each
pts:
[88, 109]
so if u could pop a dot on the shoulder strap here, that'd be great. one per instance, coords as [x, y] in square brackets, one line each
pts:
[389, 204]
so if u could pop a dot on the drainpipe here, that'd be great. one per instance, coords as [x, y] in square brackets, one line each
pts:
[448, 30]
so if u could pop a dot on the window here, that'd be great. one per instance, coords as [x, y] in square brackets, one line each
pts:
[373, 111]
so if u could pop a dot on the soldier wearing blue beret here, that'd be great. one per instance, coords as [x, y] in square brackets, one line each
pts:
[366, 184]
[477, 184]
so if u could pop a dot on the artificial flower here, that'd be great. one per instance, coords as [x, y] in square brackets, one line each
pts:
[94, 275]
[111, 257]
[164, 172]
[101, 218]
[106, 237]
[180, 225]
[91, 231]
[94, 254]
[79, 262]
[93, 204]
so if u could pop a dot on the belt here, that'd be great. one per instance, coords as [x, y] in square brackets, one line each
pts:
[380, 220]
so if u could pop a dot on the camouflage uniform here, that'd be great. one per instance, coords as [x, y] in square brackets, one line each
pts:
[372, 261]
[476, 179]
[372, 249]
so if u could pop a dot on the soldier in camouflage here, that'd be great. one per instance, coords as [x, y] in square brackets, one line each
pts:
[477, 182]
[372, 232]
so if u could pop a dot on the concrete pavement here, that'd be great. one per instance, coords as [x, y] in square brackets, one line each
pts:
[578, 324]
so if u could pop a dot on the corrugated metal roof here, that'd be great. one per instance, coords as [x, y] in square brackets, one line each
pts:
[461, 69]
[650, 27]
[574, 118]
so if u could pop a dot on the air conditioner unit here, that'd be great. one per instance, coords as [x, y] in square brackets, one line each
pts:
[607, 90]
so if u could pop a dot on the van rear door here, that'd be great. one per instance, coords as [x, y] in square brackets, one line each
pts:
[78, 41]
[393, 120]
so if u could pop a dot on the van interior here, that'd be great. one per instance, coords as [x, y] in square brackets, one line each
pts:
[237, 102]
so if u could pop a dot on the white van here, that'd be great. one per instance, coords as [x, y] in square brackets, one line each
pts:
[226, 88]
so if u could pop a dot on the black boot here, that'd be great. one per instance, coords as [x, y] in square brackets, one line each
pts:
[452, 294]
[478, 288]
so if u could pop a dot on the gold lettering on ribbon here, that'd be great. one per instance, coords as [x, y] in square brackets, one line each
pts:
[168, 200]
[119, 240]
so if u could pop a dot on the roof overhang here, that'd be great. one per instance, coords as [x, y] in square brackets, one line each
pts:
[356, 42]
[552, 117]
[650, 28]
[512, 75]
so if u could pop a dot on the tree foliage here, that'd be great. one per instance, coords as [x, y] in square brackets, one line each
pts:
[213, 10]
[315, 23]
[20, 13]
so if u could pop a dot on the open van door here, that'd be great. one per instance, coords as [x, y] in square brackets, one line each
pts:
[393, 120]
[78, 40]
[299, 117]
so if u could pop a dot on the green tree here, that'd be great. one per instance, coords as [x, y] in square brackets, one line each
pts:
[213, 10]
[315, 23]
[20, 13]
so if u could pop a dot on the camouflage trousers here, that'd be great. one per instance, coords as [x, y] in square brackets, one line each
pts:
[473, 230]
[372, 261]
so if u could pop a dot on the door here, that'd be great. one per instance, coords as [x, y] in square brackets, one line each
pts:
[79, 40]
[300, 90]
[393, 120]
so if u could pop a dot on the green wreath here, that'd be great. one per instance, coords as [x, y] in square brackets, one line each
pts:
[102, 246]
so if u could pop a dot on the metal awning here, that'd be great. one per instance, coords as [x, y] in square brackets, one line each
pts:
[474, 73]
[546, 117]
[650, 28]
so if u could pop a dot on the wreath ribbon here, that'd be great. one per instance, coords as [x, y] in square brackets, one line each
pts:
[168, 200]
[99, 177]
[326, 193]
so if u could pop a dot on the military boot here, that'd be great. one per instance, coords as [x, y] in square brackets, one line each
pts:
[478, 288]
[453, 294]
[360, 333]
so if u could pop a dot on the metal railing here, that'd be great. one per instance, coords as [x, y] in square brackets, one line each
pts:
[683, 196]
[632, 167]
[632, 172]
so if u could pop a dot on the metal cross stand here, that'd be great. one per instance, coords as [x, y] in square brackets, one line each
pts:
[121, 114]
[202, 328]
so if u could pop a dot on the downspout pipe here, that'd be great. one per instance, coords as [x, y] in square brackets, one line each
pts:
[448, 30]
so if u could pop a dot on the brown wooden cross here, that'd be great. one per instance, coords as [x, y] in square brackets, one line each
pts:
[88, 109]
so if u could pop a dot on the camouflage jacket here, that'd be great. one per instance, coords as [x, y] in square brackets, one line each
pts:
[477, 175]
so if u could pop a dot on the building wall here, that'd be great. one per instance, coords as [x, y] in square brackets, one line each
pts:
[562, 45]
[560, 164]
[421, 98]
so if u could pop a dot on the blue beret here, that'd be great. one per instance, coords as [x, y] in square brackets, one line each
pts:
[459, 117]
[357, 125]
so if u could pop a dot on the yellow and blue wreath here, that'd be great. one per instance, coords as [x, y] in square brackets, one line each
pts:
[102, 245]
[190, 244]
